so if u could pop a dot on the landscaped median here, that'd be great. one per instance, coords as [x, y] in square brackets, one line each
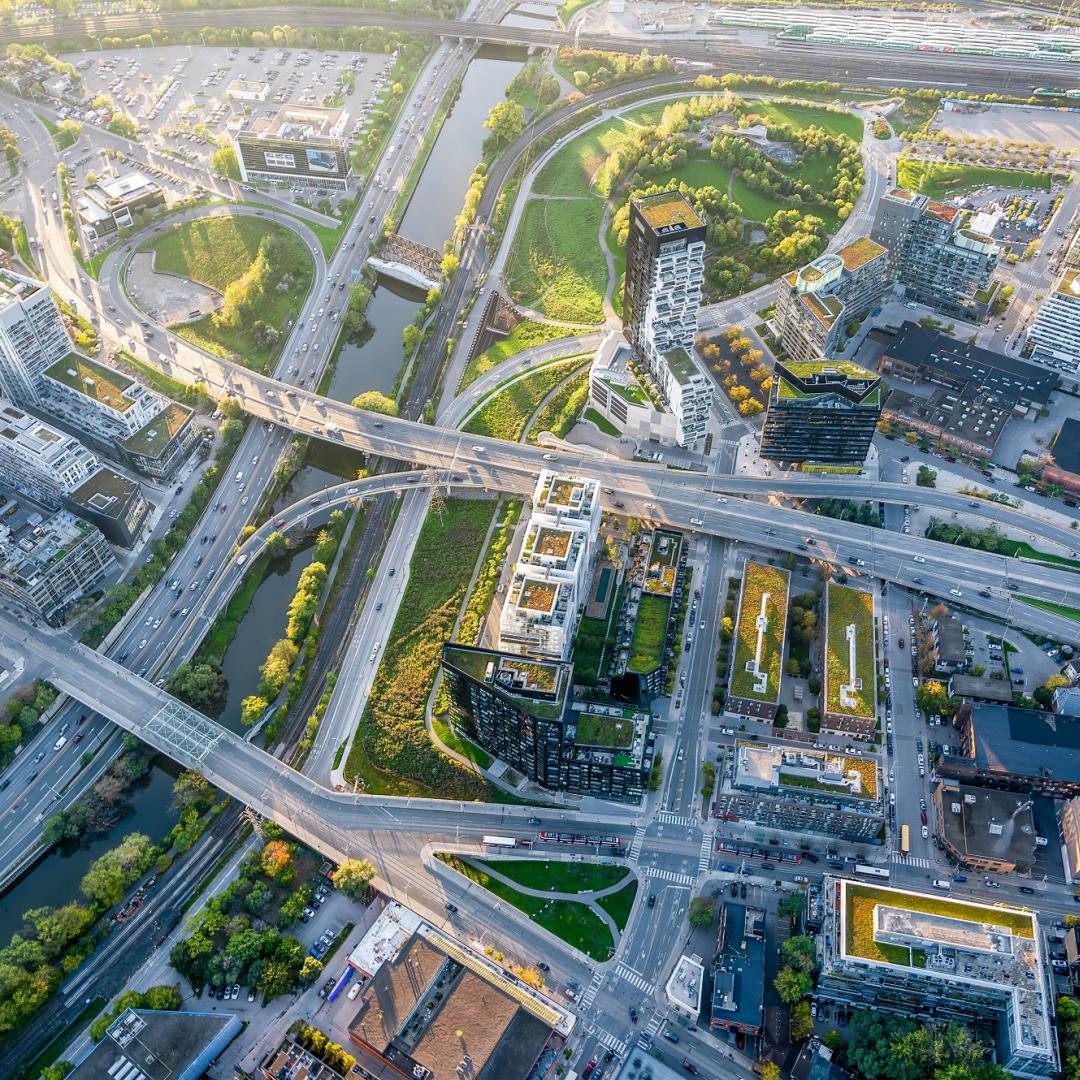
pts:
[575, 921]
[849, 692]
[764, 592]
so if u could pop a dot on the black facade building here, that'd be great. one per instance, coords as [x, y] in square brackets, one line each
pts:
[521, 710]
[821, 412]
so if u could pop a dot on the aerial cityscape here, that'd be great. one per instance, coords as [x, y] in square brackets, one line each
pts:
[539, 540]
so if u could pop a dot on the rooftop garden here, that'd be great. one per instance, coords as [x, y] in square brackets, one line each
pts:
[553, 542]
[759, 580]
[846, 606]
[615, 732]
[650, 632]
[94, 380]
[153, 436]
[629, 392]
[536, 675]
[537, 595]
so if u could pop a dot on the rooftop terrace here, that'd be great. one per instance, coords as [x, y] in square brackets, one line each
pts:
[94, 380]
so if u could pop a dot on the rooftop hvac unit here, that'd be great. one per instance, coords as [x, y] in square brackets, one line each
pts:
[996, 829]
[955, 807]
[969, 797]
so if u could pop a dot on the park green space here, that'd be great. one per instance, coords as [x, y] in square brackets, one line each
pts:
[216, 251]
[563, 408]
[526, 335]
[573, 922]
[650, 631]
[913, 113]
[554, 876]
[505, 413]
[759, 579]
[941, 179]
[392, 753]
[595, 638]
[845, 606]
[620, 903]
[804, 116]
[570, 172]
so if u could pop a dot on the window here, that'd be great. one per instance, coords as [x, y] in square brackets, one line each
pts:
[277, 160]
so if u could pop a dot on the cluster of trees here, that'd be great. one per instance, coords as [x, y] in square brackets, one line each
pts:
[103, 805]
[702, 911]
[751, 363]
[1068, 1025]
[230, 942]
[926, 477]
[9, 234]
[594, 69]
[652, 152]
[120, 597]
[534, 81]
[802, 630]
[794, 982]
[157, 998]
[124, 124]
[10, 146]
[932, 696]
[224, 162]
[329, 1052]
[726, 634]
[884, 1046]
[267, 273]
[300, 632]
[849, 510]
[200, 684]
[881, 128]
[20, 715]
[355, 320]
[374, 401]
[506, 121]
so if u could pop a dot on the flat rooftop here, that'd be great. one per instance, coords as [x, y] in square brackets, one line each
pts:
[765, 767]
[538, 686]
[1066, 447]
[302, 124]
[152, 438]
[681, 365]
[668, 212]
[106, 493]
[389, 932]
[985, 823]
[103, 384]
[1024, 742]
[739, 975]
[970, 414]
[859, 252]
[684, 987]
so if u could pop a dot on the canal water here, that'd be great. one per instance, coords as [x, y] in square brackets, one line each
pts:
[530, 15]
[429, 219]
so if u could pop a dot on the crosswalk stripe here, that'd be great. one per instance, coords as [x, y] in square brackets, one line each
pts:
[911, 860]
[668, 875]
[612, 1042]
[706, 854]
[635, 846]
[634, 978]
[668, 818]
[592, 990]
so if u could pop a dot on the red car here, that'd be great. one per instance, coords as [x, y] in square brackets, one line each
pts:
[223, 507]
[922, 814]
[587, 1071]
[690, 1067]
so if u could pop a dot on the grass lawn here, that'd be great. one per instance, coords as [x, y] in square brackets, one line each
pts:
[571, 170]
[759, 579]
[602, 422]
[701, 172]
[391, 752]
[940, 179]
[619, 904]
[216, 251]
[914, 113]
[556, 265]
[594, 638]
[465, 747]
[650, 630]
[505, 413]
[847, 606]
[576, 924]
[1056, 609]
[804, 116]
[561, 413]
[526, 335]
[216, 643]
[559, 876]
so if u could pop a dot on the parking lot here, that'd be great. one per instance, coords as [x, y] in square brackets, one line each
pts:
[1050, 126]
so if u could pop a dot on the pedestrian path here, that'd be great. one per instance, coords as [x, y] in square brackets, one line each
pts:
[591, 991]
[634, 978]
[668, 818]
[654, 872]
[706, 853]
[635, 844]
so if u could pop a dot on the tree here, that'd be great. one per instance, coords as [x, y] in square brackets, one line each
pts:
[373, 401]
[769, 1071]
[124, 124]
[110, 874]
[505, 121]
[278, 663]
[200, 685]
[277, 545]
[353, 877]
[224, 162]
[274, 858]
[702, 911]
[926, 477]
[792, 905]
[252, 709]
[802, 1025]
[191, 789]
[799, 953]
[870, 1038]
[792, 985]
[310, 970]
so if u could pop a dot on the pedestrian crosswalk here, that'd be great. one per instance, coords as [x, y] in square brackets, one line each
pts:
[911, 860]
[591, 991]
[655, 1023]
[634, 978]
[706, 854]
[657, 874]
[612, 1042]
[668, 818]
[635, 845]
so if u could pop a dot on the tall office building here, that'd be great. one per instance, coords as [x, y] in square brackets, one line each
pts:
[665, 269]
[32, 336]
[821, 412]
[940, 261]
[1055, 333]
[301, 145]
[816, 305]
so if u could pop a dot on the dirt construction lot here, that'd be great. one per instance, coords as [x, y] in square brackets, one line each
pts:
[166, 297]
[1051, 126]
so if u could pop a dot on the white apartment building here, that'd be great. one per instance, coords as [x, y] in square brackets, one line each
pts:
[549, 587]
[40, 460]
[665, 271]
[1055, 333]
[32, 336]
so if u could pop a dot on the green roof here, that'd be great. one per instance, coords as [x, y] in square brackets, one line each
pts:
[805, 369]
[630, 392]
[106, 492]
[155, 435]
[681, 365]
[759, 579]
[94, 380]
[845, 607]
[614, 732]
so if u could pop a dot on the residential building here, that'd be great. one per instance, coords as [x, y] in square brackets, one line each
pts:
[935, 254]
[549, 586]
[1067, 701]
[620, 398]
[159, 447]
[918, 355]
[815, 1062]
[1016, 750]
[54, 468]
[984, 829]
[300, 145]
[32, 337]
[684, 987]
[1069, 824]
[917, 955]
[665, 269]
[738, 997]
[523, 712]
[431, 1003]
[1063, 461]
[980, 688]
[49, 559]
[821, 412]
[950, 644]
[146, 1044]
[816, 305]
[110, 204]
[1055, 333]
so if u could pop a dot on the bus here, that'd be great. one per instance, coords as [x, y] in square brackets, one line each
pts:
[905, 841]
[872, 871]
[500, 841]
